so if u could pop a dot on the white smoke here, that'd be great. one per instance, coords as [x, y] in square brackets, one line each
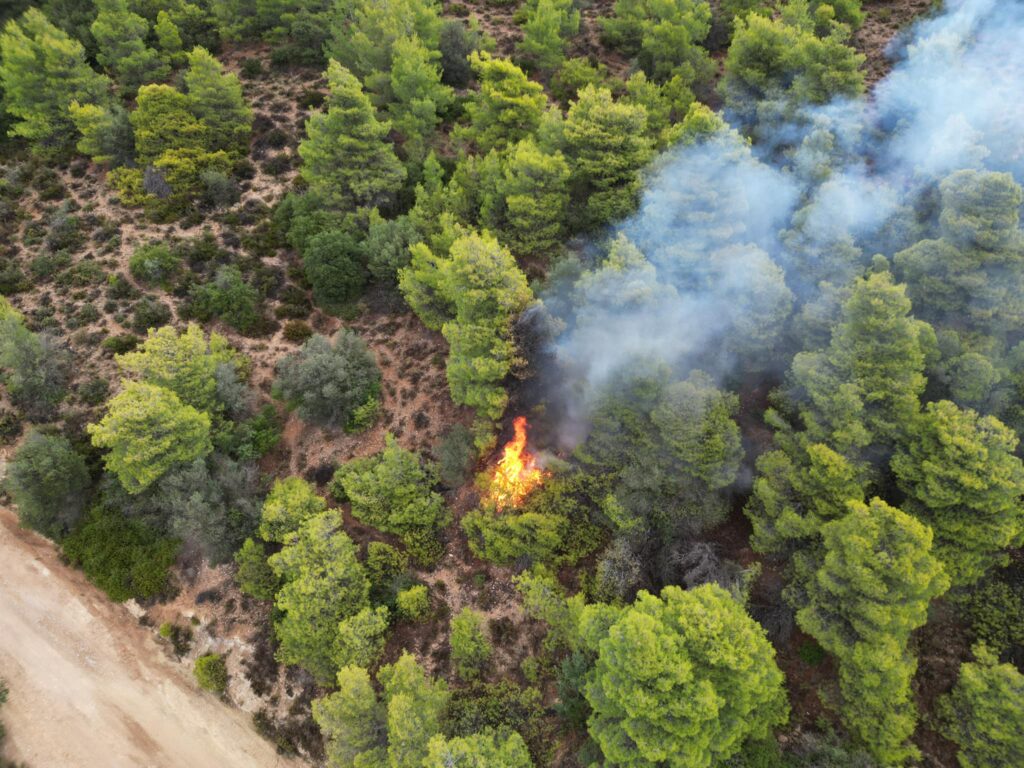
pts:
[720, 268]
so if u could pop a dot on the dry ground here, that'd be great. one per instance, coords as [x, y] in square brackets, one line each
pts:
[90, 688]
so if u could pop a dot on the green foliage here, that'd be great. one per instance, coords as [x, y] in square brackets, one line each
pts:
[147, 430]
[289, 504]
[664, 37]
[49, 482]
[984, 714]
[413, 603]
[361, 732]
[607, 146]
[962, 477]
[483, 750]
[385, 568]
[333, 262]
[43, 71]
[350, 720]
[876, 580]
[419, 97]
[507, 108]
[324, 584]
[215, 98]
[472, 295]
[392, 491]
[34, 368]
[864, 388]
[186, 364]
[995, 610]
[328, 380]
[455, 456]
[545, 600]
[549, 24]
[536, 195]
[255, 577]
[782, 60]
[121, 38]
[366, 34]
[361, 638]
[346, 156]
[124, 557]
[971, 274]
[470, 646]
[703, 670]
[106, 133]
[387, 247]
[669, 445]
[504, 538]
[230, 298]
[163, 122]
[872, 590]
[211, 673]
[155, 264]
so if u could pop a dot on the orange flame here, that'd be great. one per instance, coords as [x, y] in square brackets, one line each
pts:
[517, 473]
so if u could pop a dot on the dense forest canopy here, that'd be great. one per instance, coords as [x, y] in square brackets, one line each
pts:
[743, 292]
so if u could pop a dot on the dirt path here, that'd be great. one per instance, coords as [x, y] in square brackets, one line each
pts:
[89, 687]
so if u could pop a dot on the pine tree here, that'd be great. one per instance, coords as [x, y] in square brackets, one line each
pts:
[963, 478]
[351, 720]
[346, 156]
[480, 750]
[148, 430]
[121, 38]
[290, 503]
[873, 587]
[49, 483]
[43, 70]
[702, 671]
[184, 363]
[984, 714]
[549, 24]
[364, 33]
[164, 123]
[169, 39]
[607, 146]
[507, 108]
[472, 295]
[215, 98]
[324, 583]
[419, 97]
[536, 192]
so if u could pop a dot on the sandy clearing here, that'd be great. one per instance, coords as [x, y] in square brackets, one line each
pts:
[90, 687]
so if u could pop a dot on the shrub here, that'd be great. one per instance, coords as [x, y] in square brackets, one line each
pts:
[118, 345]
[37, 368]
[123, 557]
[255, 577]
[211, 673]
[297, 331]
[49, 483]
[385, 569]
[996, 614]
[327, 380]
[392, 492]
[455, 456]
[471, 650]
[229, 298]
[149, 313]
[155, 264]
[333, 263]
[413, 603]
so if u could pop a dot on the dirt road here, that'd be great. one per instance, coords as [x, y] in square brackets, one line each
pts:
[90, 688]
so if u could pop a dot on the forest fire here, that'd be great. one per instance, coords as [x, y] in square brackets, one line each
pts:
[517, 473]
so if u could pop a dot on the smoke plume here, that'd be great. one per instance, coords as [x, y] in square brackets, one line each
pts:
[731, 240]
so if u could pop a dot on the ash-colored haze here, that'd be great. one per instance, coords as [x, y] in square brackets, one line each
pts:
[736, 239]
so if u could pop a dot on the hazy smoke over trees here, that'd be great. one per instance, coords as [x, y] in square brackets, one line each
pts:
[737, 253]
